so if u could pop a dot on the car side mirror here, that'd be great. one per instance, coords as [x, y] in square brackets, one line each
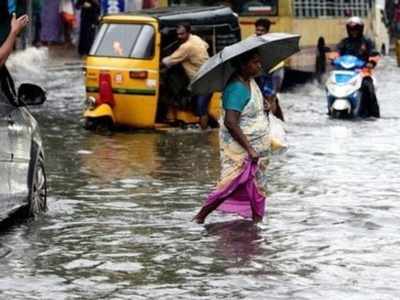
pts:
[31, 94]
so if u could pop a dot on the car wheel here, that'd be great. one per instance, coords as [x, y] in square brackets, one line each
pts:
[38, 192]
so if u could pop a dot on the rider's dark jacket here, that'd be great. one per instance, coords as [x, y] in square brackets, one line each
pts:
[362, 47]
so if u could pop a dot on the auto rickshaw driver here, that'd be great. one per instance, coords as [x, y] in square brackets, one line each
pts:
[192, 54]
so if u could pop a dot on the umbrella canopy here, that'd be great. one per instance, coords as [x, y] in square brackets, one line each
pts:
[215, 73]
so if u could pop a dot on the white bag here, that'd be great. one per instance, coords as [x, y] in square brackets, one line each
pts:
[66, 10]
[279, 142]
[66, 6]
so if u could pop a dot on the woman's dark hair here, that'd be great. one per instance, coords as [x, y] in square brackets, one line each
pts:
[185, 25]
[239, 61]
[263, 23]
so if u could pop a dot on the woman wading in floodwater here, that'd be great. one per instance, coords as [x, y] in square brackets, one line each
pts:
[245, 145]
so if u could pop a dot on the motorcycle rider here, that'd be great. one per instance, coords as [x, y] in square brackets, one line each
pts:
[358, 45]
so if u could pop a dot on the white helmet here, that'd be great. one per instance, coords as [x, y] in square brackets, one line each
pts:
[355, 23]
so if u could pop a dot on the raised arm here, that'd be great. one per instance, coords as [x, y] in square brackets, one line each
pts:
[16, 27]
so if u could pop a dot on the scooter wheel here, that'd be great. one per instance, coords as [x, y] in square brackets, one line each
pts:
[340, 114]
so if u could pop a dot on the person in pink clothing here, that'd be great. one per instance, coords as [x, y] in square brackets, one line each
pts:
[245, 145]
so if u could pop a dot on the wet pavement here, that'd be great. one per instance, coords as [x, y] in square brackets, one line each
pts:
[118, 225]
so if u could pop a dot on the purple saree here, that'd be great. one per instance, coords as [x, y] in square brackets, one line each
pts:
[241, 196]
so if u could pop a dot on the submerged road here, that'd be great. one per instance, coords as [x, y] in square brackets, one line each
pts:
[118, 225]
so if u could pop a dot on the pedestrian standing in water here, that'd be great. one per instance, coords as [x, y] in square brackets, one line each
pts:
[51, 22]
[36, 21]
[90, 13]
[68, 19]
[245, 145]
[270, 83]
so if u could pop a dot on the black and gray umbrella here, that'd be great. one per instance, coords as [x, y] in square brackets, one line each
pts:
[215, 73]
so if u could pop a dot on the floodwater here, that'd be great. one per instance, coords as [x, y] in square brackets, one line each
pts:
[118, 224]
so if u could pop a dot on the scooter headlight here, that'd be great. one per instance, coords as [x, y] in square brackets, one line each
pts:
[90, 102]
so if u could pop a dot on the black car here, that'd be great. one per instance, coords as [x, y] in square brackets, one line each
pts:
[22, 172]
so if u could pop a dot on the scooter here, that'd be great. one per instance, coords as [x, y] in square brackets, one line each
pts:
[343, 86]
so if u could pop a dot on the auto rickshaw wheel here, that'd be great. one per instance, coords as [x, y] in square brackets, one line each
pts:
[89, 124]
[102, 124]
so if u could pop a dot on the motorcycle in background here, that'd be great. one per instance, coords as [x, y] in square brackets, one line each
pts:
[343, 86]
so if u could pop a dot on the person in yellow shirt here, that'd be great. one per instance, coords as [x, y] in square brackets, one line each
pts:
[192, 54]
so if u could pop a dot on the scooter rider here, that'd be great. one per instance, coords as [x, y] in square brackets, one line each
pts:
[357, 44]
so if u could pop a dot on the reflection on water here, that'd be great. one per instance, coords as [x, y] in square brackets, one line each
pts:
[118, 225]
[238, 240]
[120, 156]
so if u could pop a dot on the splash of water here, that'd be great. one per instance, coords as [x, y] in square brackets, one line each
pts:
[29, 65]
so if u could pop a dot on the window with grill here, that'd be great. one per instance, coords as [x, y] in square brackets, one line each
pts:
[242, 7]
[331, 8]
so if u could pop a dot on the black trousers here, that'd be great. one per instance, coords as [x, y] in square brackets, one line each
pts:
[369, 103]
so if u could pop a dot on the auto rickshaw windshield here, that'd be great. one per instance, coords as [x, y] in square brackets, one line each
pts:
[124, 40]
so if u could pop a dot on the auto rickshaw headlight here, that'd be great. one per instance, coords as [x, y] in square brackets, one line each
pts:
[90, 102]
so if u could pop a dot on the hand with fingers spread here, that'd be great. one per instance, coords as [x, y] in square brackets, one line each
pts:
[18, 24]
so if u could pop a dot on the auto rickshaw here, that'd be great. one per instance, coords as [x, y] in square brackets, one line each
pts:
[124, 83]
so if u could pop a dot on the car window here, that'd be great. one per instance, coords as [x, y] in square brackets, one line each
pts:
[124, 40]
[7, 88]
[5, 106]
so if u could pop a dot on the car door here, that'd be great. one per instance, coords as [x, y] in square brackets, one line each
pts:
[20, 129]
[6, 200]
